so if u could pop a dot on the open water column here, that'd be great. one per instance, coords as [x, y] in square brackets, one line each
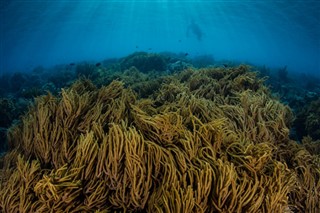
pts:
[275, 33]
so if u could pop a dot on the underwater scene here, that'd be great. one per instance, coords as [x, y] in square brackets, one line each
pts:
[159, 106]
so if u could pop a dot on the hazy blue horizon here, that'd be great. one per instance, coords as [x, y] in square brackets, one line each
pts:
[271, 33]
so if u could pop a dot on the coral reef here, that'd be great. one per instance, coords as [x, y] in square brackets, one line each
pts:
[22, 87]
[208, 140]
[7, 109]
[202, 61]
[144, 62]
[86, 70]
[308, 120]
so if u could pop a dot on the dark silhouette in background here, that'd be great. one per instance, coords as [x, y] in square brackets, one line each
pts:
[195, 30]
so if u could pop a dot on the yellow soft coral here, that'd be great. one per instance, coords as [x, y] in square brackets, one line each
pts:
[209, 140]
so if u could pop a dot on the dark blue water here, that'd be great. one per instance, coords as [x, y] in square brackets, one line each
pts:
[271, 33]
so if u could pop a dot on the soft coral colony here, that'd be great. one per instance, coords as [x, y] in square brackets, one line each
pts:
[206, 140]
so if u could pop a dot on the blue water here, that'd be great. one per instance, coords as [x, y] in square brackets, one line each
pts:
[271, 33]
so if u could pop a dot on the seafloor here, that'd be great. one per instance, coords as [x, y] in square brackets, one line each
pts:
[159, 133]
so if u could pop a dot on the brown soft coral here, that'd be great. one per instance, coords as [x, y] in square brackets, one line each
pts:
[221, 145]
